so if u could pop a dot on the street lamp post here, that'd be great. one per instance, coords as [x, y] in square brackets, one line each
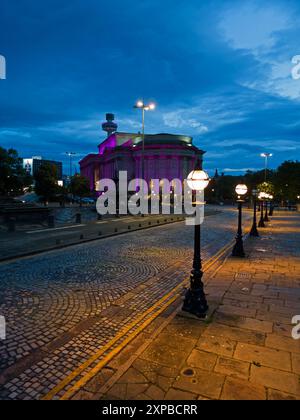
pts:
[254, 232]
[238, 250]
[144, 107]
[266, 156]
[195, 301]
[266, 218]
[70, 154]
[261, 223]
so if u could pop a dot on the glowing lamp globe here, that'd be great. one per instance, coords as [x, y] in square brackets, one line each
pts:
[140, 104]
[198, 180]
[241, 189]
[262, 195]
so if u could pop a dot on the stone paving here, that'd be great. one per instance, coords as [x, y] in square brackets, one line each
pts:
[58, 305]
[244, 352]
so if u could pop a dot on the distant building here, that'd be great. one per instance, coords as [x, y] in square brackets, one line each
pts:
[166, 156]
[33, 164]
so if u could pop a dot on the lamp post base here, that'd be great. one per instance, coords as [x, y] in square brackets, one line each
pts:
[238, 250]
[266, 219]
[195, 303]
[254, 232]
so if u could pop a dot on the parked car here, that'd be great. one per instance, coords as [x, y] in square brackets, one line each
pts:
[88, 200]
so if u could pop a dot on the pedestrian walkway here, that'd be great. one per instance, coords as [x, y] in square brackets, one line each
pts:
[243, 351]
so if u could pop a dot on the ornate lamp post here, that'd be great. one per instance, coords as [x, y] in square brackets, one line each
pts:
[238, 250]
[195, 301]
[254, 232]
[271, 212]
[261, 223]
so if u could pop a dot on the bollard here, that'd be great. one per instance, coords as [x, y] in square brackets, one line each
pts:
[116, 230]
[140, 225]
[51, 222]
[100, 234]
[78, 218]
[81, 237]
[11, 224]
[99, 217]
[129, 227]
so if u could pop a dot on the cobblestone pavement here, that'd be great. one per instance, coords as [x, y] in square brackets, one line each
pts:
[58, 305]
[245, 351]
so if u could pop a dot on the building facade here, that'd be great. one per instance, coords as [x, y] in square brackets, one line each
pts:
[32, 165]
[166, 156]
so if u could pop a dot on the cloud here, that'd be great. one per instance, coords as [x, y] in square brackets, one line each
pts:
[129, 122]
[14, 133]
[254, 26]
[240, 170]
[270, 33]
[179, 119]
[219, 71]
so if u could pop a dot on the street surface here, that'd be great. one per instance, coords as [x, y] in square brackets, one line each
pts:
[59, 305]
[27, 240]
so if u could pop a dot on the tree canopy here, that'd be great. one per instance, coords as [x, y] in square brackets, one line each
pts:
[13, 178]
[80, 186]
[283, 183]
[46, 186]
[287, 181]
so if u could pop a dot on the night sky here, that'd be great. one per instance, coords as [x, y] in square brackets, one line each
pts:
[218, 70]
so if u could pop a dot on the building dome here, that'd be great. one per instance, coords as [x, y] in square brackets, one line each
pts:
[164, 156]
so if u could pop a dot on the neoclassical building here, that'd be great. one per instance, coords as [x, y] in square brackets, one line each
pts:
[166, 156]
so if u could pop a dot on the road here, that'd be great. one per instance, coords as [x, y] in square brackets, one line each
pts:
[33, 240]
[62, 306]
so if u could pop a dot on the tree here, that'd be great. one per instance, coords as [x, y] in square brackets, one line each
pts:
[46, 186]
[80, 187]
[287, 181]
[254, 179]
[13, 178]
[62, 195]
[226, 187]
[266, 187]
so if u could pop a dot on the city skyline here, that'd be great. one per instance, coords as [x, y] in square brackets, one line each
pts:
[220, 72]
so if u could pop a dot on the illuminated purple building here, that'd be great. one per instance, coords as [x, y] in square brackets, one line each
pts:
[167, 156]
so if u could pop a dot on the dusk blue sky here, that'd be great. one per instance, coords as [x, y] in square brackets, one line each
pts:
[218, 70]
